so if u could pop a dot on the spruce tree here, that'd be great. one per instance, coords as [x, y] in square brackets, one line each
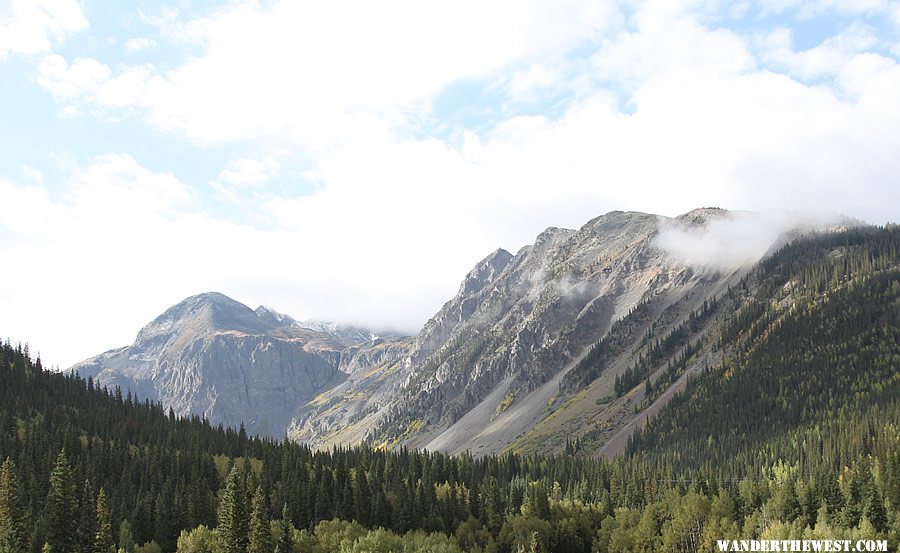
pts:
[362, 500]
[126, 539]
[62, 508]
[285, 542]
[87, 523]
[260, 539]
[232, 528]
[13, 530]
[103, 538]
[875, 510]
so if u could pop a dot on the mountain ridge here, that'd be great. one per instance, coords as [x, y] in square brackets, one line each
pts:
[485, 371]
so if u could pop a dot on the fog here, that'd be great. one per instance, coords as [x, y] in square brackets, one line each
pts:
[735, 239]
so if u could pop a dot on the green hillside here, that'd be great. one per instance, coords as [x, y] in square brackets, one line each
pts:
[811, 372]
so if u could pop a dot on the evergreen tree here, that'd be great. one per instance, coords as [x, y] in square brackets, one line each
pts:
[62, 508]
[103, 538]
[13, 532]
[87, 524]
[126, 538]
[260, 533]
[875, 511]
[232, 528]
[362, 499]
[285, 541]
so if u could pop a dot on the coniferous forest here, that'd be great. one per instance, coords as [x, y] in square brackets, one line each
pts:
[794, 433]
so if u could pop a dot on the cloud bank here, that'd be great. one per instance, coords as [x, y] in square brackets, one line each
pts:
[368, 154]
[738, 239]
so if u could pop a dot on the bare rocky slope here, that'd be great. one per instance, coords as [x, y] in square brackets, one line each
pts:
[488, 367]
[496, 368]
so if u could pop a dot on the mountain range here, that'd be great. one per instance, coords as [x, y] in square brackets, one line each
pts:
[752, 400]
[509, 363]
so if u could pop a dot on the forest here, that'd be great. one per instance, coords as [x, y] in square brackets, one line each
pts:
[794, 434]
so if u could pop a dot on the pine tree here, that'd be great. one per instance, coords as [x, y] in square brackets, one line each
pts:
[362, 499]
[13, 530]
[285, 542]
[62, 508]
[875, 511]
[260, 532]
[126, 539]
[232, 528]
[324, 496]
[103, 538]
[87, 524]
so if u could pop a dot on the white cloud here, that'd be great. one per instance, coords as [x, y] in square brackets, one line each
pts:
[69, 82]
[310, 72]
[810, 8]
[247, 172]
[524, 85]
[32, 26]
[827, 59]
[91, 197]
[32, 175]
[667, 42]
[121, 243]
[669, 114]
[738, 239]
[139, 43]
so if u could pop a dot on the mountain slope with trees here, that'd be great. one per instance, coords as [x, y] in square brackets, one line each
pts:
[794, 434]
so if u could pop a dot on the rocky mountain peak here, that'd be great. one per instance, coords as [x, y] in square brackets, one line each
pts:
[703, 215]
[214, 356]
[210, 311]
[484, 272]
[613, 222]
[550, 236]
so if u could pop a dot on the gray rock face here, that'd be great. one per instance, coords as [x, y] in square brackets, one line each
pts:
[542, 308]
[481, 372]
[212, 356]
[515, 324]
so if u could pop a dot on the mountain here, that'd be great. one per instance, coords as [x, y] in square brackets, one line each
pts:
[488, 366]
[501, 366]
[773, 407]
[213, 356]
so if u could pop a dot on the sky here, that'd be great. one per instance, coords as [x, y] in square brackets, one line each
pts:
[352, 160]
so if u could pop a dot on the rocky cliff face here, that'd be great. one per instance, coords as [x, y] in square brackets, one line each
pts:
[212, 356]
[517, 321]
[483, 373]
[504, 342]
